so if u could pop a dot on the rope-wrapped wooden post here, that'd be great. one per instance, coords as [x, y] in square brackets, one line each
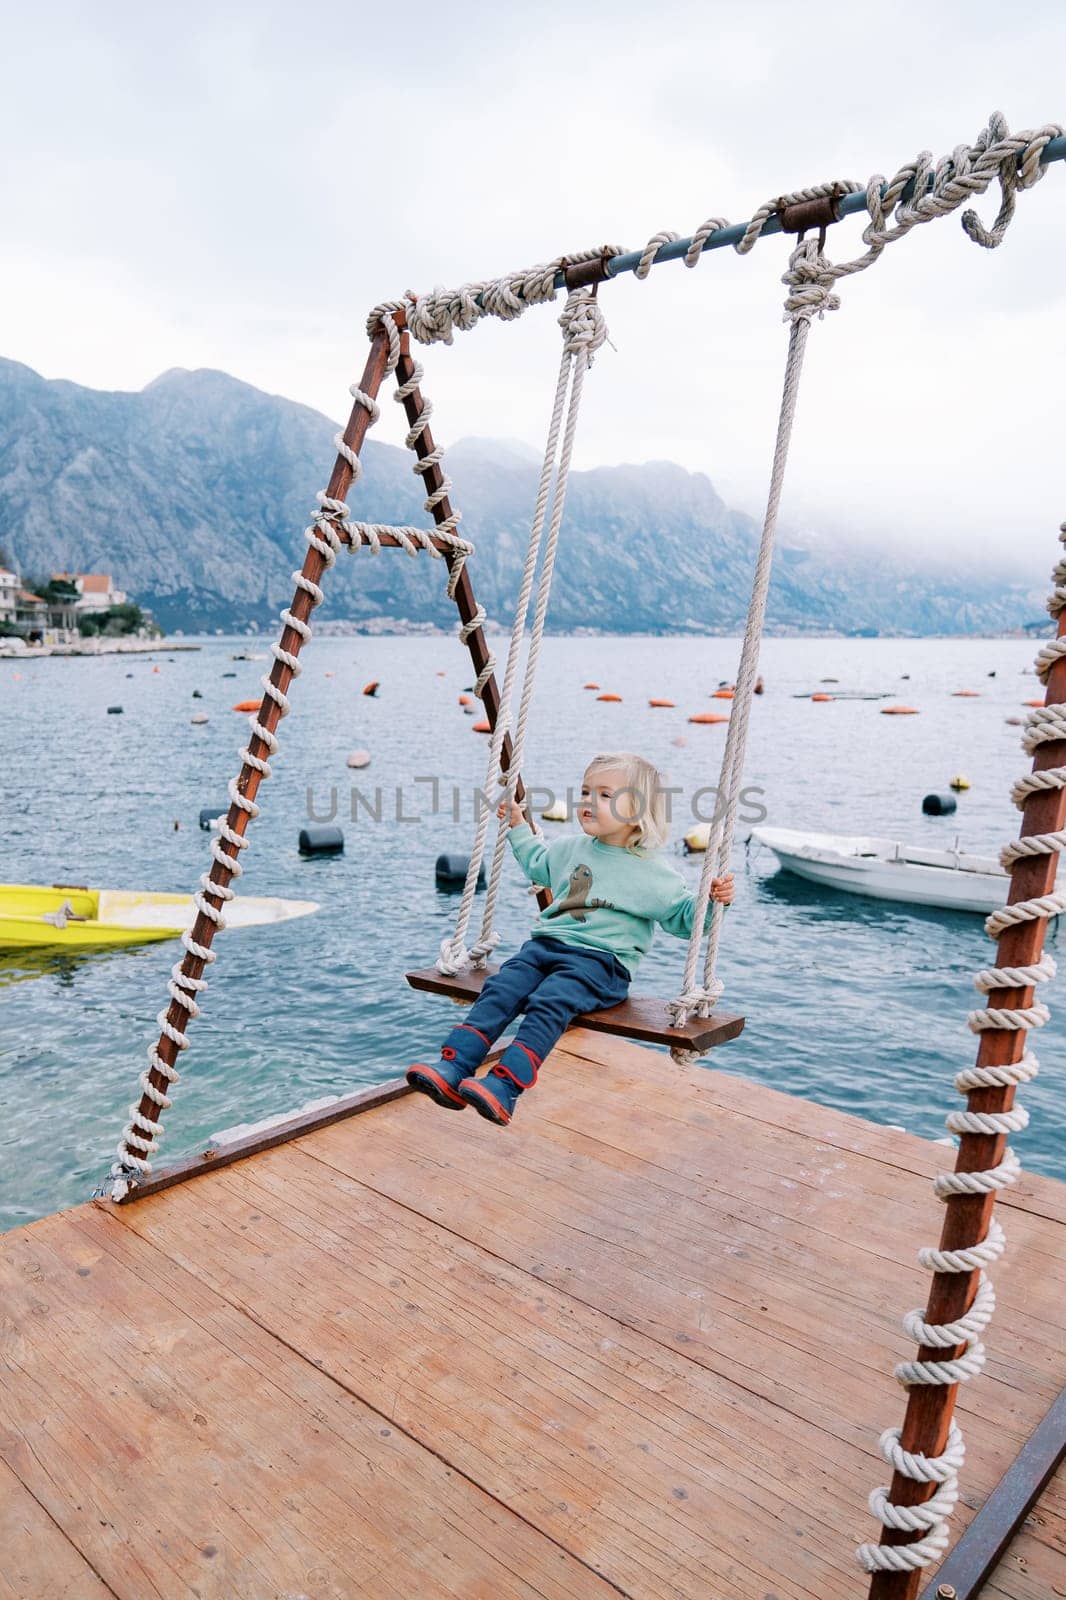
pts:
[930, 1407]
[441, 511]
[480, 656]
[189, 976]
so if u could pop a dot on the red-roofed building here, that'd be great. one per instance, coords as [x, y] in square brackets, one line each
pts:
[96, 590]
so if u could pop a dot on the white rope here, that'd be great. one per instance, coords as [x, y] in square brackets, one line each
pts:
[142, 1134]
[435, 317]
[1036, 783]
[930, 1517]
[809, 296]
[1047, 723]
[454, 957]
[1040, 907]
[383, 316]
[584, 332]
[1044, 725]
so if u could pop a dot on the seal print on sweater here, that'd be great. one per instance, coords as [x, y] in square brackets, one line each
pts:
[576, 900]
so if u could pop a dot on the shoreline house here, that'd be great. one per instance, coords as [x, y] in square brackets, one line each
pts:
[96, 590]
[9, 588]
[31, 617]
[52, 619]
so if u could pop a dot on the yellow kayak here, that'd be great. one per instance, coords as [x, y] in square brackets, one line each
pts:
[72, 916]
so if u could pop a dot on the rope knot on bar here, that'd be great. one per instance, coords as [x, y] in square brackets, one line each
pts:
[435, 317]
[810, 280]
[583, 324]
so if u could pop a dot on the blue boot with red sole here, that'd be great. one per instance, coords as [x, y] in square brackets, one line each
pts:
[460, 1057]
[496, 1095]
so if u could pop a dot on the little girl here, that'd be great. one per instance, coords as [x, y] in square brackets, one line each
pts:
[610, 886]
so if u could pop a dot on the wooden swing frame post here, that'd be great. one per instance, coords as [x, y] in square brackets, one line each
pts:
[281, 675]
[269, 715]
[930, 1407]
[414, 405]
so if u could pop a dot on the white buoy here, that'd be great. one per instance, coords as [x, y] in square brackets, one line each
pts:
[556, 812]
[359, 758]
[199, 719]
[698, 838]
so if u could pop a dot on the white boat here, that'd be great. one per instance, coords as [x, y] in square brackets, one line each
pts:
[887, 869]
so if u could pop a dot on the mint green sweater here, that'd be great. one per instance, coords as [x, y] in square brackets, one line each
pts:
[604, 897]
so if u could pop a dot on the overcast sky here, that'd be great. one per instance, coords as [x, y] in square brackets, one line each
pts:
[234, 186]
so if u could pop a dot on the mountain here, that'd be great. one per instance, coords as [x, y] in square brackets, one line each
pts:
[194, 494]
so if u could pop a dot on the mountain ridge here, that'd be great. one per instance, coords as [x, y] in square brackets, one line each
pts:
[194, 492]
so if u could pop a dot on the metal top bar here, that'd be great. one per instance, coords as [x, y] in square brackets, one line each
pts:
[1055, 150]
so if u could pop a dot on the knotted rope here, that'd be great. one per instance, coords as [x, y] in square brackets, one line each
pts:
[435, 318]
[584, 332]
[1044, 724]
[997, 156]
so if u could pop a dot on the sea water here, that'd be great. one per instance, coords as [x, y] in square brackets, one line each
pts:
[858, 1004]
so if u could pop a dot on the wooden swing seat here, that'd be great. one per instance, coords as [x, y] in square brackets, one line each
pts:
[641, 1017]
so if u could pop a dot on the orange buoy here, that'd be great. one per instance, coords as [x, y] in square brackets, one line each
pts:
[822, 697]
[723, 694]
[482, 727]
[615, 697]
[590, 685]
[662, 702]
[155, 669]
[966, 694]
[247, 705]
[371, 688]
[680, 740]
[441, 674]
[1032, 702]
[329, 674]
[899, 711]
[466, 700]
[708, 716]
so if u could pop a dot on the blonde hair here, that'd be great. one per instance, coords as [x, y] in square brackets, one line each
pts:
[645, 788]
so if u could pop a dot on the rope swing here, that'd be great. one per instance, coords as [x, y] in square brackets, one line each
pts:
[927, 1452]
[584, 332]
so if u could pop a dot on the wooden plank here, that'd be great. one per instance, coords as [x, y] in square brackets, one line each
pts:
[215, 1157]
[222, 1464]
[605, 1324]
[686, 1271]
[427, 1154]
[789, 1186]
[986, 1539]
[37, 1561]
[667, 1481]
[796, 1116]
[640, 1017]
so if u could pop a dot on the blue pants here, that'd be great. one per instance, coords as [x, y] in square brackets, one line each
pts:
[552, 983]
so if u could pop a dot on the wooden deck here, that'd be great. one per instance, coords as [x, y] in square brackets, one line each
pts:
[639, 1344]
